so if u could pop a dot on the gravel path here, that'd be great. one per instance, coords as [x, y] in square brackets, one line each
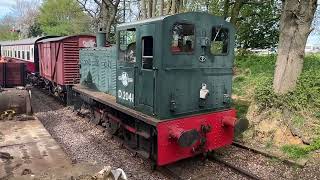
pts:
[84, 142]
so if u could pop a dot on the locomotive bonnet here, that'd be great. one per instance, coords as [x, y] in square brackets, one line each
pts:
[169, 97]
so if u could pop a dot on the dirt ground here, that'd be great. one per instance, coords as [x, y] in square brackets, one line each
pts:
[29, 152]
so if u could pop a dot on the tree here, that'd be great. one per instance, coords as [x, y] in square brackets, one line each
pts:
[257, 22]
[6, 28]
[103, 13]
[295, 27]
[62, 17]
[22, 16]
[258, 26]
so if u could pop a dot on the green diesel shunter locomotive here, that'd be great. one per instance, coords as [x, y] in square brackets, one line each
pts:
[170, 96]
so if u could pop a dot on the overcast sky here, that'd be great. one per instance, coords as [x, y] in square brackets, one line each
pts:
[5, 6]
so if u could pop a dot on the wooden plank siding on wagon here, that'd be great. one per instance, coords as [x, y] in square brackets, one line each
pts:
[111, 102]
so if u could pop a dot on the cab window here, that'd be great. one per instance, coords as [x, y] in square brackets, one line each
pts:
[183, 38]
[219, 41]
[127, 46]
[147, 52]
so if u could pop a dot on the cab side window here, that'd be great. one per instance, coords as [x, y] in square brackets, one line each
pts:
[127, 46]
[219, 41]
[183, 38]
[147, 52]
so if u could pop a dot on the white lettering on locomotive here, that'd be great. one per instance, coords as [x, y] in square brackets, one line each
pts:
[125, 96]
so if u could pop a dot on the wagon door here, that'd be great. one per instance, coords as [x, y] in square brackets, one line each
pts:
[146, 75]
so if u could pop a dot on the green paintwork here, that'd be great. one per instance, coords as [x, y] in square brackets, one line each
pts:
[98, 68]
[101, 39]
[172, 87]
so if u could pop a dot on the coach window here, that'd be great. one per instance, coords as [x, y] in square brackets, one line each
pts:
[219, 41]
[23, 57]
[15, 53]
[127, 46]
[147, 52]
[28, 55]
[183, 38]
[31, 53]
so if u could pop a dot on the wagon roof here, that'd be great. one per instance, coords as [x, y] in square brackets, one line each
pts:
[24, 41]
[63, 37]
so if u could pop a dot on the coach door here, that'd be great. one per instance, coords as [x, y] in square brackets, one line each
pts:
[146, 73]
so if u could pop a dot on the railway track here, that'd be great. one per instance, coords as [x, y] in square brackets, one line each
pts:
[39, 105]
[170, 173]
[51, 104]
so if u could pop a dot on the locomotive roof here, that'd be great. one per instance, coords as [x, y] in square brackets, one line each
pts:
[145, 21]
[62, 38]
[134, 24]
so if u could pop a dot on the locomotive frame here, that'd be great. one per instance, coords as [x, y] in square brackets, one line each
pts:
[173, 87]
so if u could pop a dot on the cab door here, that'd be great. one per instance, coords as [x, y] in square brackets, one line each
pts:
[146, 72]
[126, 67]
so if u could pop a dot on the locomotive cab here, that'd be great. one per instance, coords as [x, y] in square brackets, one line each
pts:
[172, 66]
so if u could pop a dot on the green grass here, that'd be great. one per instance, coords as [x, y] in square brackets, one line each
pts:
[253, 82]
[254, 76]
[296, 151]
[250, 71]
[298, 120]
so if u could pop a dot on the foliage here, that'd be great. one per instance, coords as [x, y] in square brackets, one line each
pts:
[255, 76]
[35, 30]
[305, 96]
[62, 17]
[251, 70]
[295, 151]
[6, 34]
[257, 24]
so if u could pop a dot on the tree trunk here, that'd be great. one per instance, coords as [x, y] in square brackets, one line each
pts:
[226, 7]
[236, 11]
[161, 7]
[174, 7]
[295, 24]
[143, 9]
[180, 7]
[154, 7]
[149, 8]
[169, 3]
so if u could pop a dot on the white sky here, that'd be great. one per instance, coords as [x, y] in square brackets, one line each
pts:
[5, 6]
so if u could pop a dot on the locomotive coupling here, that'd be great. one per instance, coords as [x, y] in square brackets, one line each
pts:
[185, 138]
